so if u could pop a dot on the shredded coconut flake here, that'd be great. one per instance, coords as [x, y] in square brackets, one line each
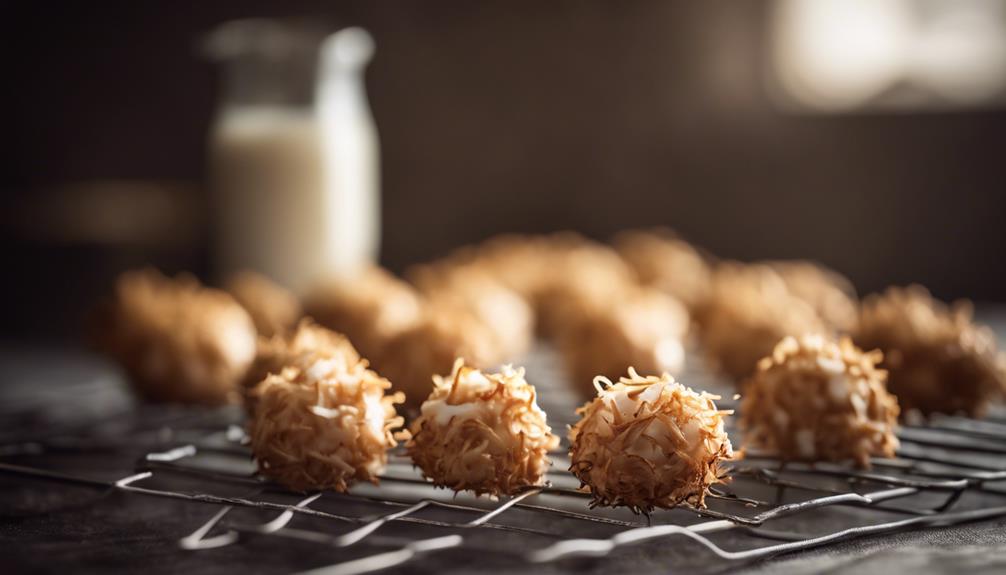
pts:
[800, 387]
[648, 442]
[482, 432]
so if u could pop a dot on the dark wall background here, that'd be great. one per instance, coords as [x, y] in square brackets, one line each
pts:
[513, 116]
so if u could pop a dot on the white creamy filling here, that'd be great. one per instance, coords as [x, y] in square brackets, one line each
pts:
[470, 383]
[374, 415]
[651, 449]
[442, 412]
[628, 406]
[831, 365]
[321, 368]
[859, 405]
[657, 437]
[813, 341]
[658, 430]
[476, 381]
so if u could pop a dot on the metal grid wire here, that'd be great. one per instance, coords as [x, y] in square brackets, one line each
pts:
[947, 472]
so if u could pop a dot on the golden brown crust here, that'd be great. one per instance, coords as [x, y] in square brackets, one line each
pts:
[482, 432]
[274, 309]
[309, 343]
[939, 360]
[648, 442]
[817, 400]
[370, 308]
[178, 341]
[320, 425]
[668, 263]
[750, 309]
[643, 328]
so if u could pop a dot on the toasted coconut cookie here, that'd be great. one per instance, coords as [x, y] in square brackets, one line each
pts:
[547, 271]
[370, 308]
[667, 263]
[817, 400]
[939, 360]
[517, 261]
[644, 328]
[411, 359]
[750, 309]
[578, 272]
[828, 292]
[528, 264]
[308, 344]
[273, 308]
[474, 291]
[321, 425]
[482, 432]
[178, 341]
[648, 442]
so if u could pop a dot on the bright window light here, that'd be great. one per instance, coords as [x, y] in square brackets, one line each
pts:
[844, 55]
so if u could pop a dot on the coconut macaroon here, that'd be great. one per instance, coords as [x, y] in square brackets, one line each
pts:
[645, 328]
[473, 291]
[517, 261]
[370, 307]
[939, 360]
[323, 425]
[749, 310]
[668, 263]
[274, 309]
[547, 270]
[577, 272]
[307, 345]
[411, 359]
[828, 292]
[179, 341]
[817, 400]
[524, 263]
[482, 432]
[648, 442]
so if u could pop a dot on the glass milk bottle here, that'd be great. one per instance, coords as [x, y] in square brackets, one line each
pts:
[293, 153]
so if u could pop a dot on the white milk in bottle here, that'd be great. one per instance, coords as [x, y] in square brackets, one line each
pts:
[294, 176]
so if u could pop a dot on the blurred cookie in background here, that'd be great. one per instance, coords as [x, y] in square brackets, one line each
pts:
[473, 290]
[177, 340]
[370, 307]
[430, 347]
[831, 294]
[274, 309]
[749, 310]
[644, 329]
[663, 260]
[939, 360]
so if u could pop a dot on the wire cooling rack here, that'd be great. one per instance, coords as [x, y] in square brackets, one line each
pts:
[949, 471]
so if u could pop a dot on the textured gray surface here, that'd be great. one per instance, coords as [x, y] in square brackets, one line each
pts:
[64, 398]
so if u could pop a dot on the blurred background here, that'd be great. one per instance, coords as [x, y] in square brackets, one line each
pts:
[867, 135]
